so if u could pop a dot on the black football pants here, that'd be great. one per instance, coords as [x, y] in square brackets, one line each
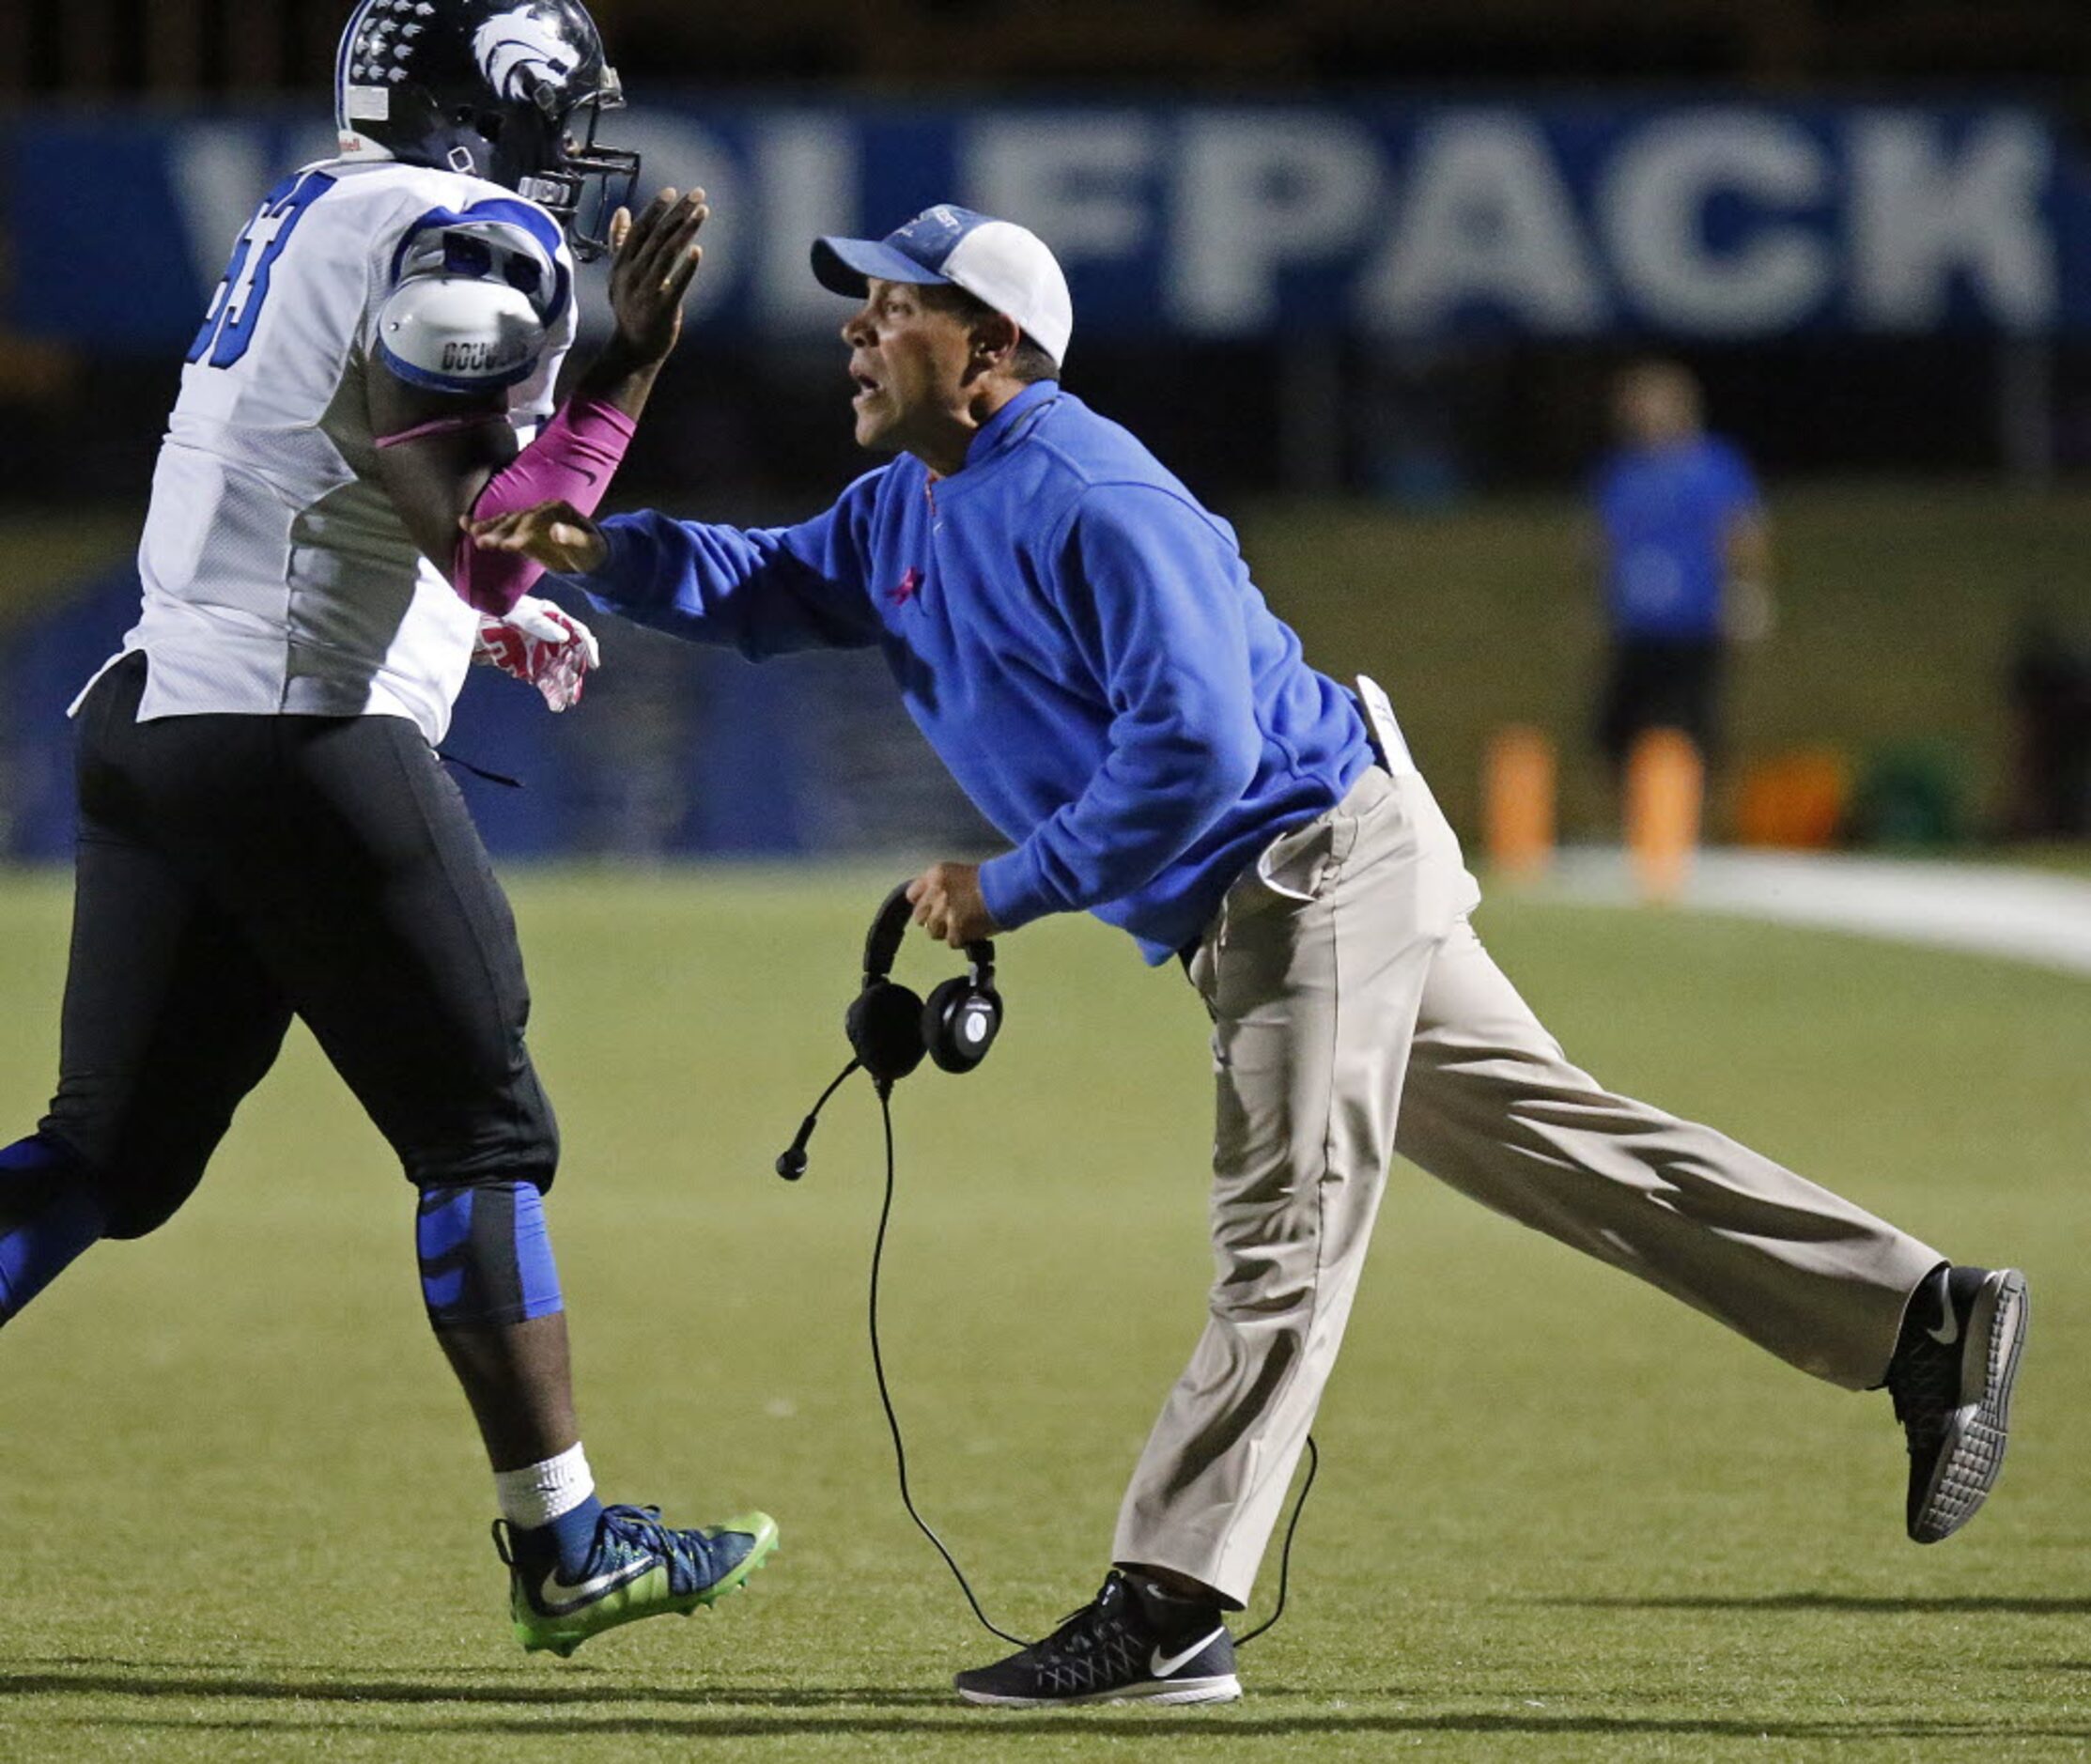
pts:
[236, 871]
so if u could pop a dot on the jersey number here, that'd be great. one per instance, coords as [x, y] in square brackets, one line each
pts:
[228, 327]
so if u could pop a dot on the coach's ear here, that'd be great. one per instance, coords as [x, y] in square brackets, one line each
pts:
[995, 336]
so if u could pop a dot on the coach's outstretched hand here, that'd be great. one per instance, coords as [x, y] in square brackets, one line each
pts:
[656, 256]
[557, 534]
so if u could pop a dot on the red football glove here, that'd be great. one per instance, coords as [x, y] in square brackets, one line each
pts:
[538, 642]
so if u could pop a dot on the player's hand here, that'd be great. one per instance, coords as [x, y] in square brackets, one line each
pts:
[557, 534]
[542, 645]
[656, 256]
[948, 903]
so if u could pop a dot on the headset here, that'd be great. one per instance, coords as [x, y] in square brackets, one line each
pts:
[892, 1028]
[891, 1031]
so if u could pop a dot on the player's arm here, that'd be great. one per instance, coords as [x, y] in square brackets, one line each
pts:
[436, 451]
[439, 398]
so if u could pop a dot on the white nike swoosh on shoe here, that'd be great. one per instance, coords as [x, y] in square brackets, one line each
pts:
[1162, 1665]
[555, 1595]
[1951, 1333]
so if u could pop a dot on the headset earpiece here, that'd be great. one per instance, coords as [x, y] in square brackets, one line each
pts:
[960, 1022]
[885, 1027]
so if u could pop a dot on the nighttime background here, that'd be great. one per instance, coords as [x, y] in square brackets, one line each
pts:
[1362, 274]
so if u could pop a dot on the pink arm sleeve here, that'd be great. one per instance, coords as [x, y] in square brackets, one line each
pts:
[572, 460]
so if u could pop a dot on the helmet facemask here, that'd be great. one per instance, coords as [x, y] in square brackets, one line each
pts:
[564, 162]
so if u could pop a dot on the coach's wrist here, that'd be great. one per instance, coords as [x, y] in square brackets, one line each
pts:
[1005, 891]
[593, 556]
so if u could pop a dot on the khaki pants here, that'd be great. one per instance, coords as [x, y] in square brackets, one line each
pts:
[1355, 1015]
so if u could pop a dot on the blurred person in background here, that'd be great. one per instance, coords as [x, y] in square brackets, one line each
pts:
[266, 827]
[2051, 713]
[1684, 557]
[1081, 641]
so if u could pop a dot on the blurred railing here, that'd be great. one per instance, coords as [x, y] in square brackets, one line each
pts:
[177, 48]
[186, 47]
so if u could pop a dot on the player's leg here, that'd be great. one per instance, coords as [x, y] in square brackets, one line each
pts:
[491, 1289]
[1623, 707]
[1312, 974]
[1699, 675]
[398, 950]
[167, 1022]
[409, 977]
[1494, 1108]
[50, 1211]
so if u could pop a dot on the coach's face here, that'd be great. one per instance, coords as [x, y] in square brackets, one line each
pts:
[908, 359]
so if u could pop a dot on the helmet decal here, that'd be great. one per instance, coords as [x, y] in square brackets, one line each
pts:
[518, 52]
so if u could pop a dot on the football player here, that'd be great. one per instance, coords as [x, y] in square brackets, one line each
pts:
[266, 830]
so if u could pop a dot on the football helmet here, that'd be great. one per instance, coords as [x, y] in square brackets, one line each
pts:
[508, 90]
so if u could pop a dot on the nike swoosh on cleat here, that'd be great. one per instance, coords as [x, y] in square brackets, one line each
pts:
[1162, 1665]
[1951, 1333]
[557, 1597]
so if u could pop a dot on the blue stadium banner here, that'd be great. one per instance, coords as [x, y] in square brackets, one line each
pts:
[1404, 218]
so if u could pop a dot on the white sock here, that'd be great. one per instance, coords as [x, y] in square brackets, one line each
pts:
[538, 1492]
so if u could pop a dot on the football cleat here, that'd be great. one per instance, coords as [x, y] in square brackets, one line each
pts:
[1951, 1381]
[1132, 1644]
[639, 1568]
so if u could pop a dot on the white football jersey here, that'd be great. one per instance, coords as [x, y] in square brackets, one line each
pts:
[277, 577]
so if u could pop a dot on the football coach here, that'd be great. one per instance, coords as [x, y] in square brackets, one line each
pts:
[1080, 643]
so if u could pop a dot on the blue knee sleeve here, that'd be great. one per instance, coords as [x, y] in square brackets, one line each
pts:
[486, 1256]
[50, 1211]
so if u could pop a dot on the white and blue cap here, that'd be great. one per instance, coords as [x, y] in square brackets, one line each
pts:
[995, 261]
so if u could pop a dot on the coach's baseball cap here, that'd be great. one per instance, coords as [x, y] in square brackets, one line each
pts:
[997, 262]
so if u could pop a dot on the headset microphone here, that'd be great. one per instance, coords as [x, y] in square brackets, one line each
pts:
[791, 1162]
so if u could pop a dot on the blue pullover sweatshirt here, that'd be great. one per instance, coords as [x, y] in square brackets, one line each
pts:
[1078, 640]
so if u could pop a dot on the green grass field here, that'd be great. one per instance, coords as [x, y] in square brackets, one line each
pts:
[1559, 1516]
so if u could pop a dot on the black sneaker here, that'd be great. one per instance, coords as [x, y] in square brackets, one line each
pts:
[1134, 1644]
[1951, 1381]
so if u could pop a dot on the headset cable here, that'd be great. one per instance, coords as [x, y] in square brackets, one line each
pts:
[884, 1091]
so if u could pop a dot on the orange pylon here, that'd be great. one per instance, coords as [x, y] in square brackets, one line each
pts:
[1666, 792]
[1518, 790]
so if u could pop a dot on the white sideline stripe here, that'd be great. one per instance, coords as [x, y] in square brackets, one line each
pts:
[1984, 909]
